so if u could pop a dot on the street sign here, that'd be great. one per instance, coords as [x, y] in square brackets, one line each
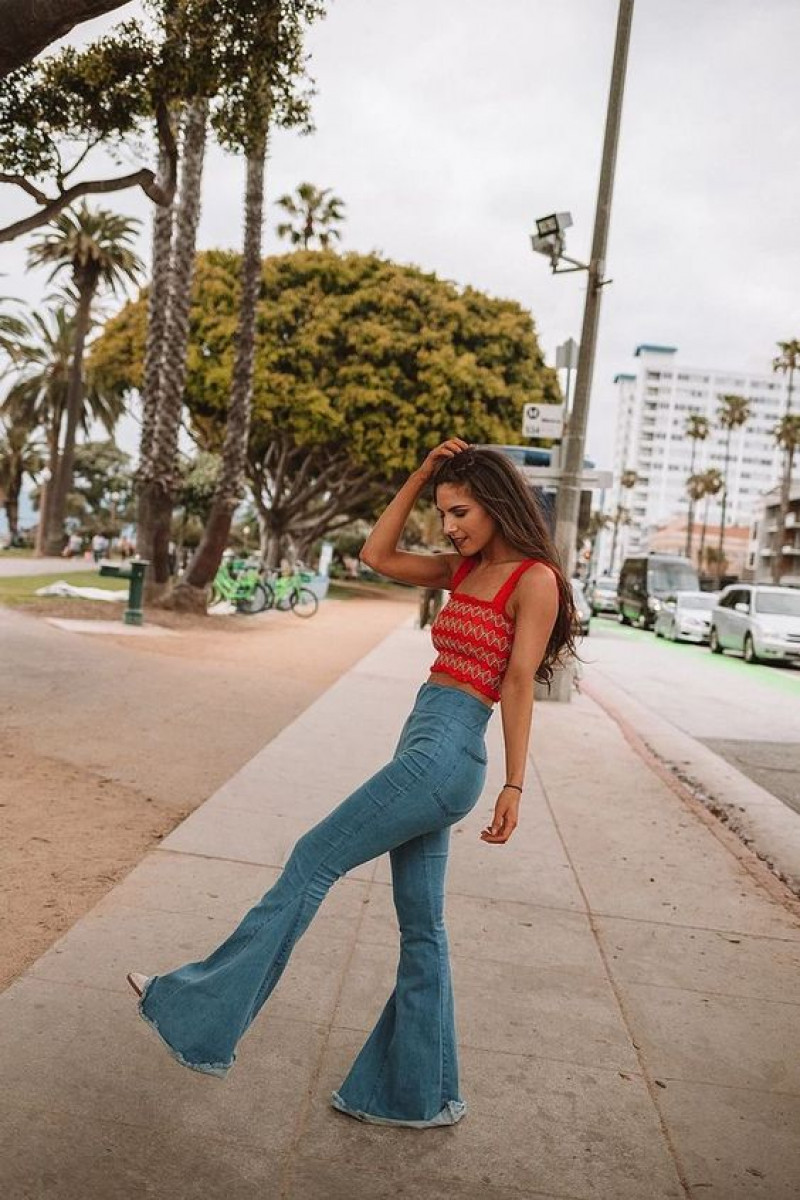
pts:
[550, 477]
[543, 421]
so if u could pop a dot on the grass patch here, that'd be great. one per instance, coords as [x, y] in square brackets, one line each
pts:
[17, 590]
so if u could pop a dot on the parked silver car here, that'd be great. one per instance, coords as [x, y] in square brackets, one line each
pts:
[687, 618]
[761, 621]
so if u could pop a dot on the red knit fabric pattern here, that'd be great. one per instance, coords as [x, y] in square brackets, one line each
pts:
[474, 637]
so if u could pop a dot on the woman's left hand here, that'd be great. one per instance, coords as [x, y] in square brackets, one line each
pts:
[506, 813]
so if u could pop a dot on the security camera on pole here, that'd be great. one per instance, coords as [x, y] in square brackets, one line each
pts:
[550, 240]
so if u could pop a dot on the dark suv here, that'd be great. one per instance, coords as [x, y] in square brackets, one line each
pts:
[647, 580]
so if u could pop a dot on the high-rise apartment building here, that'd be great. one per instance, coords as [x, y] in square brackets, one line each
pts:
[654, 402]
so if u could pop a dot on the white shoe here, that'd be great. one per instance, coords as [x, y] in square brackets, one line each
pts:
[137, 981]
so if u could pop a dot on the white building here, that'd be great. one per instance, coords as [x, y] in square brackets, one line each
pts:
[653, 404]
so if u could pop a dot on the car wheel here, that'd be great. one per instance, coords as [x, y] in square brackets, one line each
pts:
[750, 655]
[713, 641]
[623, 620]
[657, 631]
[642, 621]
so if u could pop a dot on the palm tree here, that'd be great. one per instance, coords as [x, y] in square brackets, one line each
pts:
[621, 515]
[314, 214]
[733, 412]
[788, 361]
[96, 248]
[710, 484]
[158, 474]
[787, 435]
[37, 397]
[191, 591]
[19, 456]
[697, 428]
[696, 489]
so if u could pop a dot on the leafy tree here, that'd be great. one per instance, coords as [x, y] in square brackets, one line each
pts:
[787, 361]
[54, 113]
[260, 81]
[95, 247]
[20, 455]
[40, 372]
[787, 435]
[28, 26]
[710, 483]
[313, 215]
[697, 430]
[361, 365]
[621, 514]
[101, 498]
[733, 412]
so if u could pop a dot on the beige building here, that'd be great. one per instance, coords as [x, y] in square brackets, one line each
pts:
[670, 538]
[762, 534]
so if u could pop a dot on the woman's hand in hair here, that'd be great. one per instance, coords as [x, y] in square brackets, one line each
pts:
[444, 450]
[506, 816]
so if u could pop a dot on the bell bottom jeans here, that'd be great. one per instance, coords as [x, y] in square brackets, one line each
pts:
[407, 1071]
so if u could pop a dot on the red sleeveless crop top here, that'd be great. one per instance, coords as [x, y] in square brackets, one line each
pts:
[474, 637]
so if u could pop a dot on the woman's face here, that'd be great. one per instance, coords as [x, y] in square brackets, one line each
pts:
[464, 521]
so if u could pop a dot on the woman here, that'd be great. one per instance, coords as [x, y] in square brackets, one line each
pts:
[511, 621]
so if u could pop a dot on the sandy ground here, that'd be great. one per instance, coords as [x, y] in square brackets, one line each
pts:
[108, 742]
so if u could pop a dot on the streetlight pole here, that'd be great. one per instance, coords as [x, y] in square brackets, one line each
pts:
[572, 453]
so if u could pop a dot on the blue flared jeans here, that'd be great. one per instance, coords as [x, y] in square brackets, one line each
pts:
[407, 1071]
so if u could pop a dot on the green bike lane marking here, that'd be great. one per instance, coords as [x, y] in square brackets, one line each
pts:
[781, 679]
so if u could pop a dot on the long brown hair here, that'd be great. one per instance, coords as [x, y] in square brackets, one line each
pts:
[498, 486]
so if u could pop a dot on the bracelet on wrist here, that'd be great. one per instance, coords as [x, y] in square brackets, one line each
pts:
[515, 786]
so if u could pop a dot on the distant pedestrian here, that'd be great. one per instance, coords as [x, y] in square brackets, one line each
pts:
[73, 547]
[492, 640]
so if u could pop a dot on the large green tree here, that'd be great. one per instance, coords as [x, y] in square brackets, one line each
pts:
[361, 364]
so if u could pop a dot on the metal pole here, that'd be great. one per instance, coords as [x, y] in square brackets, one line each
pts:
[568, 498]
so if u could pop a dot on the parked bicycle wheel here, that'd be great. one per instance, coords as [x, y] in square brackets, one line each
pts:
[256, 602]
[304, 603]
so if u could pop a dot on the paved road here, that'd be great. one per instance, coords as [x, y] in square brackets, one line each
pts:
[10, 566]
[750, 715]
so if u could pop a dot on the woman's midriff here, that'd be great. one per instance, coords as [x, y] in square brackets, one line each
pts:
[443, 680]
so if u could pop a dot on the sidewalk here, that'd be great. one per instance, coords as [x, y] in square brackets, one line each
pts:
[626, 989]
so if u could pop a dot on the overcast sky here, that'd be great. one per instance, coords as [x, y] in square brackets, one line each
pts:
[448, 126]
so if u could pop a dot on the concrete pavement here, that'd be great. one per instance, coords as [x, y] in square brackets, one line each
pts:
[12, 566]
[626, 984]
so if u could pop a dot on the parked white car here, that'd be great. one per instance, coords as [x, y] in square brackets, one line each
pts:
[761, 621]
[687, 618]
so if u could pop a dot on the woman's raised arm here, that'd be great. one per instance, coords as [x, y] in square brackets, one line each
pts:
[380, 549]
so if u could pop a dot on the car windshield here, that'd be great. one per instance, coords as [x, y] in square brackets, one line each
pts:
[671, 577]
[707, 600]
[784, 604]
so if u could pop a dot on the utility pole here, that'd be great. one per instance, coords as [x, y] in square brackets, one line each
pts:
[572, 451]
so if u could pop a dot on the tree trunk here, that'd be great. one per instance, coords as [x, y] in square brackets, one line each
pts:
[157, 488]
[690, 516]
[157, 314]
[61, 484]
[190, 592]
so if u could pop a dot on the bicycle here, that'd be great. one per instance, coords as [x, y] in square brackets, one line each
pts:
[240, 583]
[291, 592]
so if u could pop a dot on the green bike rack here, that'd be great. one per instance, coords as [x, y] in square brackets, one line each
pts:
[134, 570]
